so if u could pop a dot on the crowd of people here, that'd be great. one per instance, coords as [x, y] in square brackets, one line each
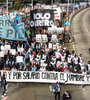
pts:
[50, 56]
[47, 56]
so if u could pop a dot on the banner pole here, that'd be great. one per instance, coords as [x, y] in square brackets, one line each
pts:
[7, 9]
[52, 2]
[32, 4]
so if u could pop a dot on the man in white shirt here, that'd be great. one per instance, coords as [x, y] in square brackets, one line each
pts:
[69, 60]
[14, 69]
[75, 61]
[88, 67]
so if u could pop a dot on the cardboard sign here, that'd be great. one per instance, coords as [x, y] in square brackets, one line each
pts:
[7, 47]
[19, 59]
[13, 51]
[1, 53]
[2, 48]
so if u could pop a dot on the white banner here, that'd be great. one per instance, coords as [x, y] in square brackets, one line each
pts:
[45, 77]
[55, 29]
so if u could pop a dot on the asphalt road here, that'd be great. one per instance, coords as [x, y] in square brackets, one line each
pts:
[81, 32]
[35, 91]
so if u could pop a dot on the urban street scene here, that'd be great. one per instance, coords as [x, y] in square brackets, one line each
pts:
[44, 49]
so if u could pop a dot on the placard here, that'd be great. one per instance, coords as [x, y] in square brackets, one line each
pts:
[1, 53]
[7, 47]
[44, 37]
[41, 18]
[41, 38]
[54, 38]
[56, 30]
[38, 38]
[2, 48]
[19, 59]
[13, 51]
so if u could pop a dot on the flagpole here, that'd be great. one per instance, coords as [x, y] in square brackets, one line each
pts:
[73, 5]
[51, 1]
[7, 9]
[32, 4]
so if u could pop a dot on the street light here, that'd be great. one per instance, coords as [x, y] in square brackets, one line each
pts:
[73, 5]
[68, 7]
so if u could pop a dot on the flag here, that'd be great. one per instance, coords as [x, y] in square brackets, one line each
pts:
[18, 19]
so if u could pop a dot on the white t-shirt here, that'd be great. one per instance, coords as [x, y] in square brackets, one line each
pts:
[88, 66]
[57, 54]
[69, 59]
[75, 60]
[62, 58]
[44, 56]
[38, 57]
[54, 46]
[59, 64]
[42, 69]
[42, 62]
[65, 64]
[82, 65]
[31, 57]
[54, 59]
[81, 59]
[50, 45]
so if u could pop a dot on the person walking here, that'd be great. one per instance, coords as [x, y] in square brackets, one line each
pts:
[67, 95]
[3, 85]
[57, 90]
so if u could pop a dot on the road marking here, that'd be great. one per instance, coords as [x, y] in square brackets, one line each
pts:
[85, 24]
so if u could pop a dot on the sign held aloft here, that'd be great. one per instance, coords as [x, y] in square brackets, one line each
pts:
[41, 18]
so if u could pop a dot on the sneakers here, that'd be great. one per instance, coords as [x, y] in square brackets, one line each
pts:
[2, 96]
[5, 94]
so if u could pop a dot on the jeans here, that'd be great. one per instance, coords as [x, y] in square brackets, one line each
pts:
[57, 96]
[4, 89]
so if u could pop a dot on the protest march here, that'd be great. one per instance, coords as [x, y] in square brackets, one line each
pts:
[32, 46]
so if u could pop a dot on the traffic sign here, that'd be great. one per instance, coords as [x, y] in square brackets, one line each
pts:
[67, 23]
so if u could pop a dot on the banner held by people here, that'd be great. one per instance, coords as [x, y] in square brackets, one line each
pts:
[45, 77]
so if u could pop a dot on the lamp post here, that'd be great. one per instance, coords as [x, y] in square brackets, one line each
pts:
[73, 5]
[68, 7]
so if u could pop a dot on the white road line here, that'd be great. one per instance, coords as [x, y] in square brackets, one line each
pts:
[85, 24]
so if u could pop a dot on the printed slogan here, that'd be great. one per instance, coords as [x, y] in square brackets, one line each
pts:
[45, 77]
